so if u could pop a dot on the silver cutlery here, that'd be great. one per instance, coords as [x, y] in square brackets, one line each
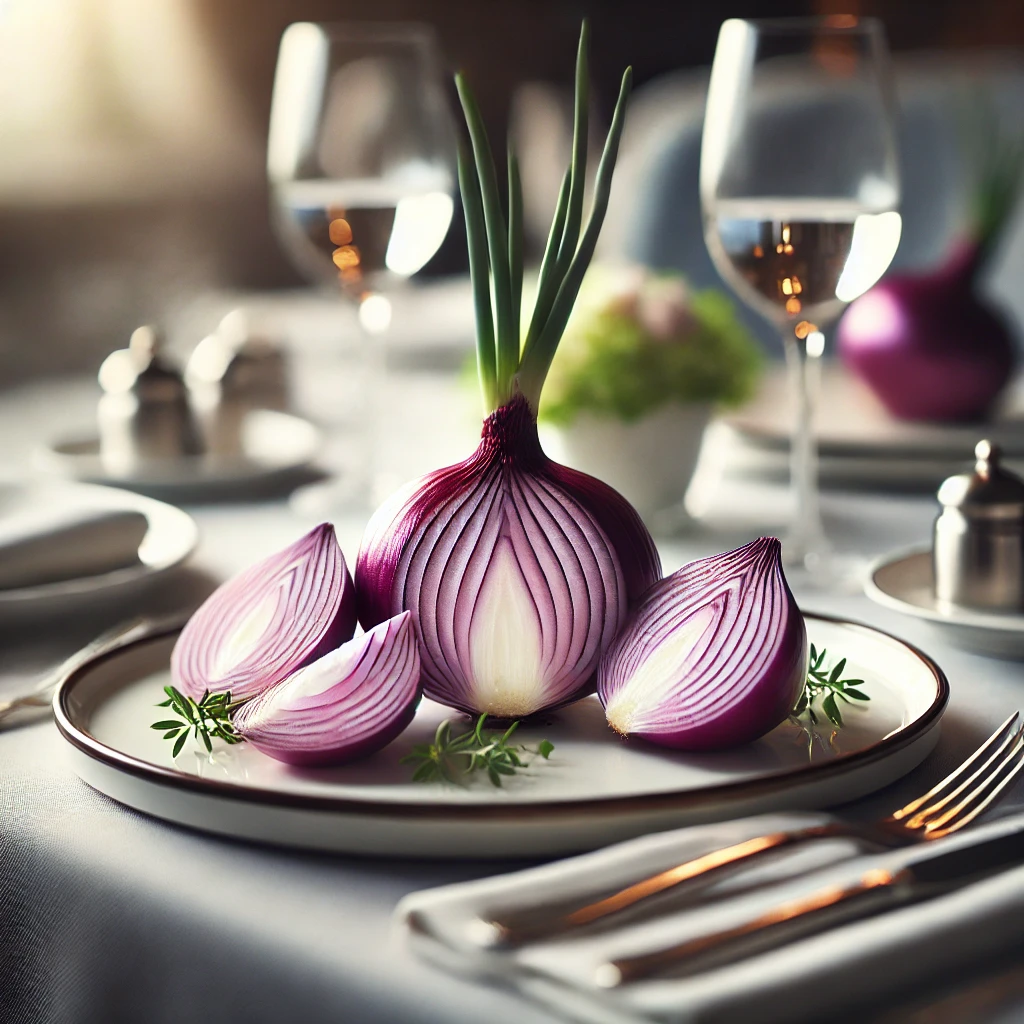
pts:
[921, 875]
[944, 809]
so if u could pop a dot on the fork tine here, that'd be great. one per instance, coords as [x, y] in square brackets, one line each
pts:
[957, 773]
[933, 831]
[973, 784]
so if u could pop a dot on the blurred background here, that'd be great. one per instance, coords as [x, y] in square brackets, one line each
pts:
[133, 134]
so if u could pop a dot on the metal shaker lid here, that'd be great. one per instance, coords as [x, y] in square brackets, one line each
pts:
[141, 370]
[989, 492]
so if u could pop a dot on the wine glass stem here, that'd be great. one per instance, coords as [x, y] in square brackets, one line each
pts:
[806, 540]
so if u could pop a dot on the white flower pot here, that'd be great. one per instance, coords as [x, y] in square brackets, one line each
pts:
[649, 461]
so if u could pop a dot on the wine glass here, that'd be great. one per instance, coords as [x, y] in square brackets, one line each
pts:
[799, 190]
[360, 160]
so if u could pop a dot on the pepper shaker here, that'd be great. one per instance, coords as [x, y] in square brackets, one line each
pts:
[144, 414]
[979, 536]
[232, 372]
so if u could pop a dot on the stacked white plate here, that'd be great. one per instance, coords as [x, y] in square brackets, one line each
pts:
[859, 443]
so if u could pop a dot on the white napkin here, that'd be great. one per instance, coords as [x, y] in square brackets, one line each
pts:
[48, 534]
[805, 980]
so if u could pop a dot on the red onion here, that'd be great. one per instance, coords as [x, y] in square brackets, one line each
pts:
[714, 656]
[267, 622]
[927, 345]
[520, 572]
[349, 703]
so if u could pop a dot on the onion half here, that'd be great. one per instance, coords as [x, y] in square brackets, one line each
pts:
[714, 656]
[265, 623]
[349, 703]
[519, 571]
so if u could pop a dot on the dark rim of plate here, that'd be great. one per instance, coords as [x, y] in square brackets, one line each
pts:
[731, 792]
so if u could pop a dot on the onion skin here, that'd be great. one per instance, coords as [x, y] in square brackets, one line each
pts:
[371, 693]
[508, 548]
[733, 675]
[927, 345]
[299, 603]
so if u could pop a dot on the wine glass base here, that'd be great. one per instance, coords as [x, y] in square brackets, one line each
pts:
[820, 569]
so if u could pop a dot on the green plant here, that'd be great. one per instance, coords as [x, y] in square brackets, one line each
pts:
[640, 339]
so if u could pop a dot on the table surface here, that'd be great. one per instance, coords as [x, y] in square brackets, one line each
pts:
[107, 915]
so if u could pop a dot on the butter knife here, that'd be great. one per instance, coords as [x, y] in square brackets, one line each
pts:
[927, 872]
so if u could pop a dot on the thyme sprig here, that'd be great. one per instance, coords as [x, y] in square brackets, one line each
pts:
[455, 757]
[207, 719]
[828, 686]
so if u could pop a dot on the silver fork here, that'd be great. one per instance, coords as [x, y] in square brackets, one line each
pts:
[946, 808]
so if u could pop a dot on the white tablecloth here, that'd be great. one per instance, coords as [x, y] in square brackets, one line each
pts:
[108, 916]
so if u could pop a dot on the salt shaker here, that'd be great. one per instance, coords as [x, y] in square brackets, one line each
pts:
[979, 536]
[232, 372]
[144, 414]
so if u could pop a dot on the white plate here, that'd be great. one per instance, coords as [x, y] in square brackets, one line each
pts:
[860, 443]
[170, 538]
[905, 582]
[596, 789]
[276, 448]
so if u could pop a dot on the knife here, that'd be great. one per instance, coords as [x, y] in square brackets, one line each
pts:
[927, 872]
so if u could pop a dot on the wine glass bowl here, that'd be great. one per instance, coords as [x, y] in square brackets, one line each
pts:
[361, 167]
[799, 192]
[360, 153]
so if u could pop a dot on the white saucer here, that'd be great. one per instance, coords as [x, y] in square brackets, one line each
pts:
[596, 789]
[905, 583]
[170, 538]
[276, 450]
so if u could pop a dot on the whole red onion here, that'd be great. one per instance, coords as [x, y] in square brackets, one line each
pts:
[927, 345]
[519, 572]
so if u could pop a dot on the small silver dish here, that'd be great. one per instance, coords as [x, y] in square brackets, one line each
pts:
[978, 552]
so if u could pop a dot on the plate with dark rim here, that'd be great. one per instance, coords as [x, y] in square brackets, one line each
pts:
[596, 788]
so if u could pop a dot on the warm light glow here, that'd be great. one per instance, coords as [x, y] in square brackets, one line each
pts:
[793, 305]
[340, 231]
[345, 257]
[802, 329]
[815, 345]
[758, 252]
[375, 313]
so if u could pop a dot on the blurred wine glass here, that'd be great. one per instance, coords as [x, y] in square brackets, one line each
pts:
[799, 191]
[360, 161]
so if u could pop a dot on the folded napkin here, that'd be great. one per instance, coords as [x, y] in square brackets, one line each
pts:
[807, 980]
[54, 533]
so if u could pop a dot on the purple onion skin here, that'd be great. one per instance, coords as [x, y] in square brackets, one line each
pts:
[261, 670]
[440, 506]
[760, 699]
[345, 753]
[391, 663]
[927, 345]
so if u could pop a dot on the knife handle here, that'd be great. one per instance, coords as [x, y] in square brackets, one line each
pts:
[509, 931]
[785, 923]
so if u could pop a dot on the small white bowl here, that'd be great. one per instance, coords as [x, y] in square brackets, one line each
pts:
[650, 461]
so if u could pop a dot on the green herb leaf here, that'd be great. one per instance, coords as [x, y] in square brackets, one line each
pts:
[827, 686]
[455, 758]
[207, 720]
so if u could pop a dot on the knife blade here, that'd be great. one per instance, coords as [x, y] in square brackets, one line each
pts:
[921, 873]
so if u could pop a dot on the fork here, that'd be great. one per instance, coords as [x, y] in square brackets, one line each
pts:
[944, 809]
